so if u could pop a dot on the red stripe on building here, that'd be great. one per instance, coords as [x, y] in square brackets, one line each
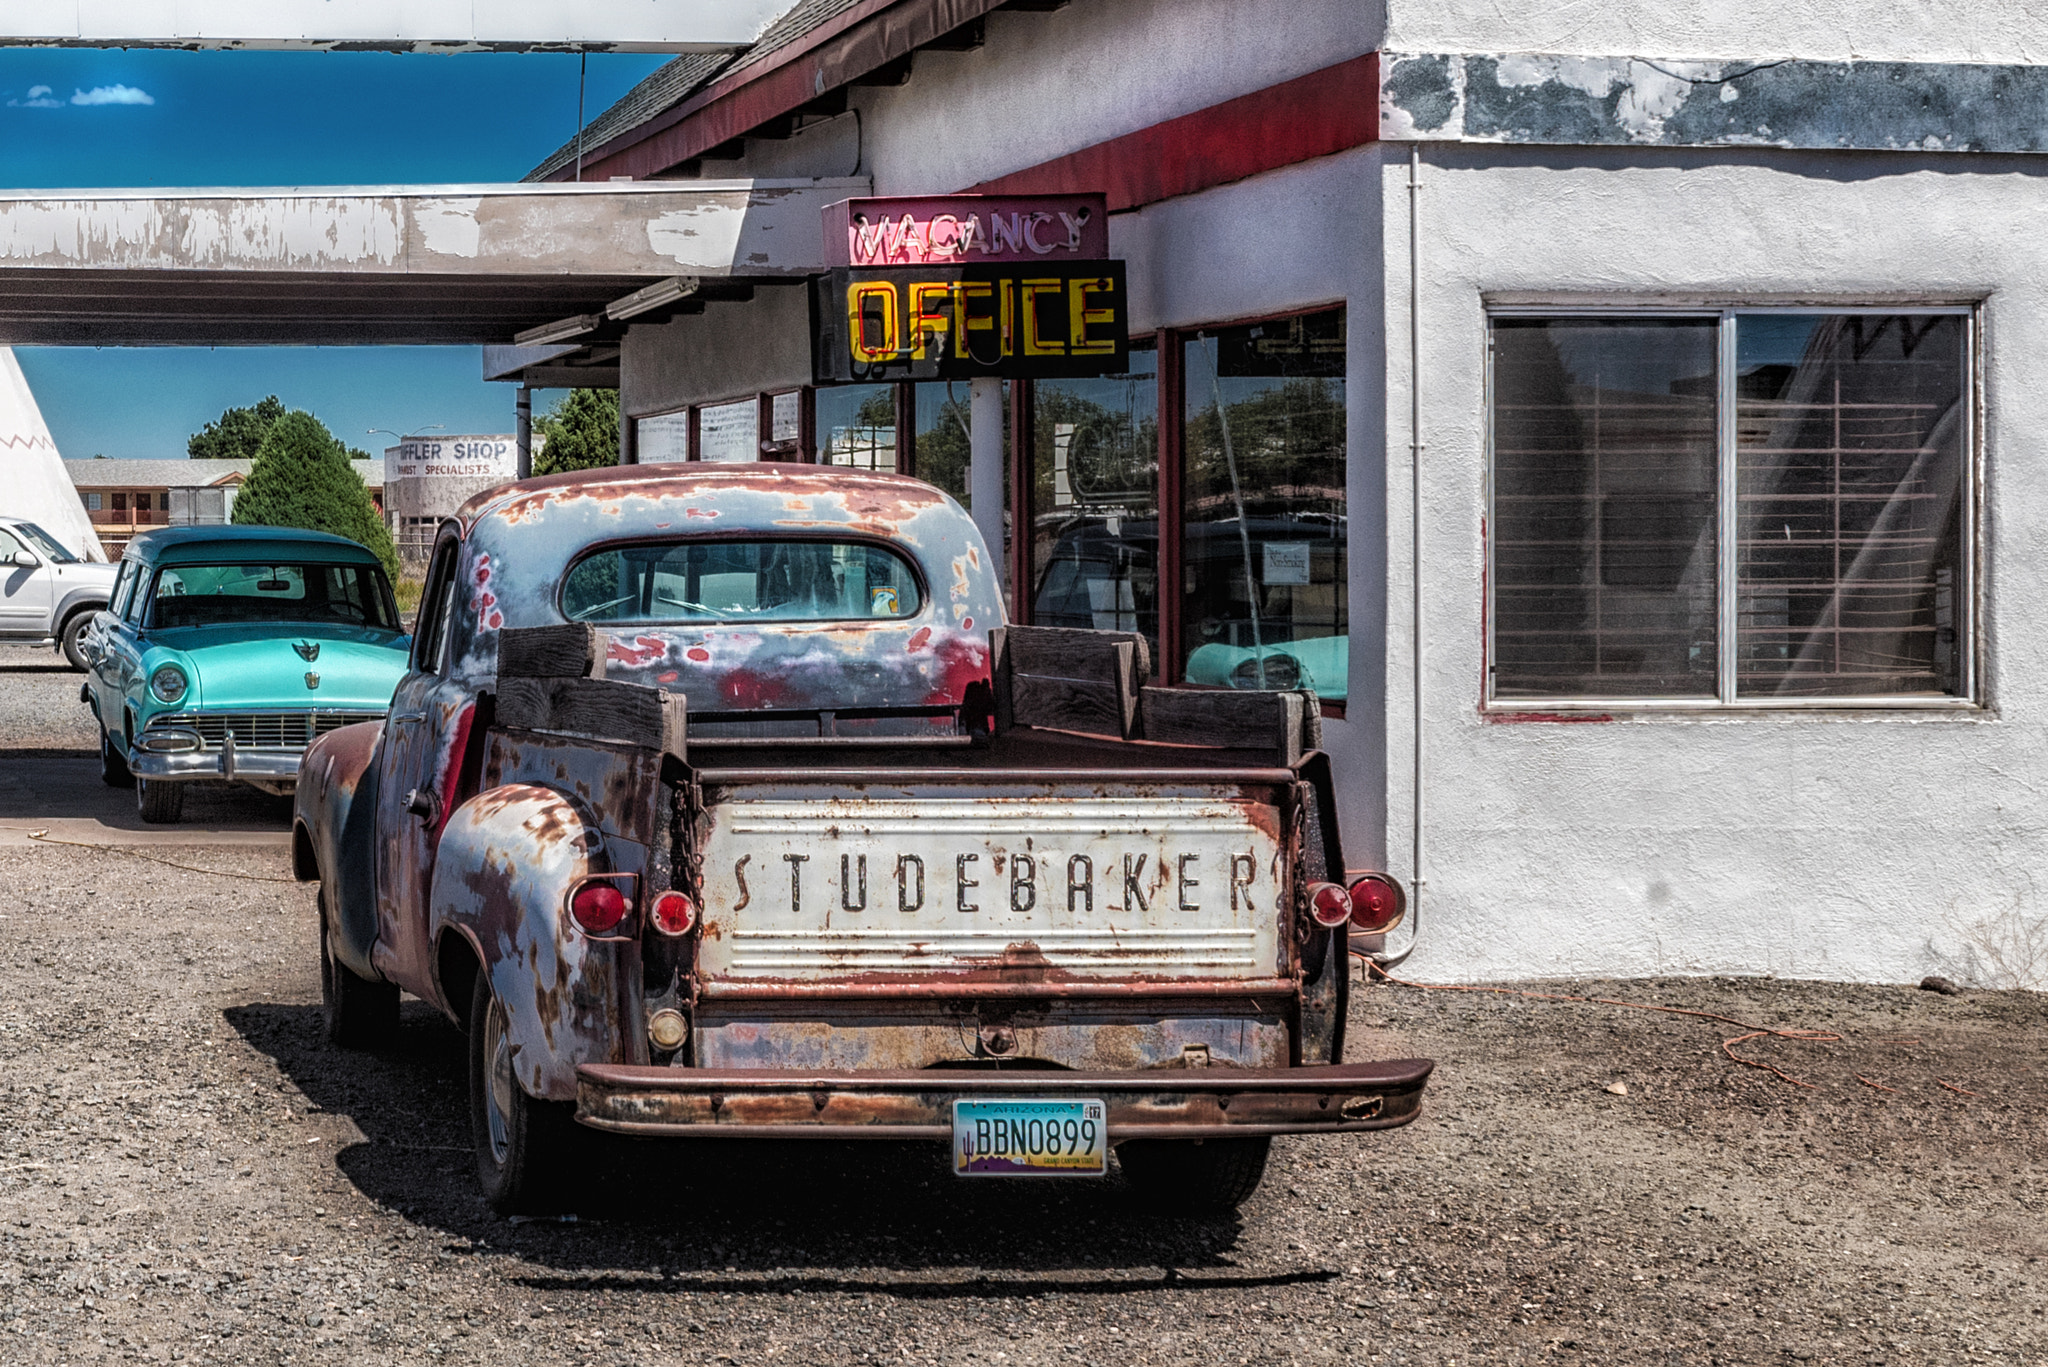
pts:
[1326, 111]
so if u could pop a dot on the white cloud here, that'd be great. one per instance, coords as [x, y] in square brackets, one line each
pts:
[112, 94]
[36, 92]
[38, 98]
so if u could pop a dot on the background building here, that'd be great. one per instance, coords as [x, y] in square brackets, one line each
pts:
[124, 497]
[1623, 425]
[427, 478]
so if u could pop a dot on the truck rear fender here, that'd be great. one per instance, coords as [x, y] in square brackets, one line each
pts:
[1325, 954]
[334, 813]
[508, 859]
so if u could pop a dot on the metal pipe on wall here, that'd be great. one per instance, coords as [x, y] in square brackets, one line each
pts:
[522, 408]
[1415, 448]
[985, 461]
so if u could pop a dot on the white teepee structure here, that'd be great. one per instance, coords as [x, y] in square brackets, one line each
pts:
[33, 484]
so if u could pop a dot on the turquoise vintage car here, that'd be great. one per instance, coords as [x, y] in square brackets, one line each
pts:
[226, 650]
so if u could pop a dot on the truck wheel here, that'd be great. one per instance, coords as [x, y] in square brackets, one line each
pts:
[73, 639]
[113, 768]
[159, 801]
[524, 1147]
[361, 1014]
[1195, 1176]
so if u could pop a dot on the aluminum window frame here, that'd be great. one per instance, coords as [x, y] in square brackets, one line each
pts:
[1726, 701]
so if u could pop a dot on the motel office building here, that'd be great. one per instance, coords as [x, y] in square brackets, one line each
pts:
[1664, 399]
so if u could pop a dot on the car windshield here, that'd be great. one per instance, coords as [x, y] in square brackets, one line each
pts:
[741, 581]
[210, 595]
[52, 549]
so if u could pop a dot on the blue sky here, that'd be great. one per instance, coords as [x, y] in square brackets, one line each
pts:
[121, 119]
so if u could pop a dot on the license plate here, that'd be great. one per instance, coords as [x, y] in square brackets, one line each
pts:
[1029, 1139]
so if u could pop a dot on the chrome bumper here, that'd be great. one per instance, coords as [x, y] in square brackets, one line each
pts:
[271, 766]
[1193, 1103]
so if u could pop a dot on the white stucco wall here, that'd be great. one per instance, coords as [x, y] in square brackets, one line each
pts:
[1805, 844]
[1830, 30]
[1045, 85]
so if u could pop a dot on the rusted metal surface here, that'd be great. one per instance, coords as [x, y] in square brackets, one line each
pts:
[807, 882]
[1185, 1103]
[618, 786]
[903, 1034]
[522, 539]
[507, 858]
[332, 837]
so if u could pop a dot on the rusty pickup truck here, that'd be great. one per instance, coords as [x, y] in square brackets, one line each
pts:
[721, 801]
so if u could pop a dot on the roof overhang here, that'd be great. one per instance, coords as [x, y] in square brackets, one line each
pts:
[438, 265]
[381, 26]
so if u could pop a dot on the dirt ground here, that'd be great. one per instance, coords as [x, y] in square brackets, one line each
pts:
[187, 1173]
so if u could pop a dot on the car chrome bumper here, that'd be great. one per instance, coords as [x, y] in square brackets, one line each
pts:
[1193, 1103]
[240, 765]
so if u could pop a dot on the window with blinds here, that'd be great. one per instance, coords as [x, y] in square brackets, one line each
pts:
[1738, 507]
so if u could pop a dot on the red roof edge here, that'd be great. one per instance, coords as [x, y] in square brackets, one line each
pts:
[1326, 111]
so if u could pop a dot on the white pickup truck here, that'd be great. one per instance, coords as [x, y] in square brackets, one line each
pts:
[47, 594]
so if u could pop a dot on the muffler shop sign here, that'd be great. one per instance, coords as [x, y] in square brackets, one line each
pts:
[1042, 319]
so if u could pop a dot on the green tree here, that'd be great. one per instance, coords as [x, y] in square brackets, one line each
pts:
[302, 478]
[582, 432]
[237, 433]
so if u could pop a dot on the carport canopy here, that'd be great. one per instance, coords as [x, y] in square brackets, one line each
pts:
[555, 264]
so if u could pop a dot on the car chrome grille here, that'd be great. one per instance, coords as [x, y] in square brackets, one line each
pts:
[260, 730]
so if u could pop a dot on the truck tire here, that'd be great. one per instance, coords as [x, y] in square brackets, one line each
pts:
[160, 802]
[114, 770]
[525, 1148]
[361, 1014]
[1194, 1176]
[72, 634]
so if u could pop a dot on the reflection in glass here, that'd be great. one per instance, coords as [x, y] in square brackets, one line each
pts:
[1849, 438]
[1095, 500]
[857, 426]
[1603, 507]
[1264, 594]
[741, 581]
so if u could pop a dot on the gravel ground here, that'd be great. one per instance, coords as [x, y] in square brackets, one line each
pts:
[39, 707]
[188, 1173]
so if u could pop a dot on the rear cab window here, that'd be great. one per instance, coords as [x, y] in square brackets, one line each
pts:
[751, 581]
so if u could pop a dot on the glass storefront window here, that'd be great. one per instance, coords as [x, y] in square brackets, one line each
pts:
[1264, 579]
[1095, 500]
[856, 426]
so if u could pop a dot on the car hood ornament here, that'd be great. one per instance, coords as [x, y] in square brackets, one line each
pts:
[309, 651]
[312, 679]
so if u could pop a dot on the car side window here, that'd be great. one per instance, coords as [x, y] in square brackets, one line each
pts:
[138, 598]
[124, 585]
[437, 606]
[9, 545]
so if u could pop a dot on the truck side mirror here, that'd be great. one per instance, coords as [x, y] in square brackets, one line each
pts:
[23, 560]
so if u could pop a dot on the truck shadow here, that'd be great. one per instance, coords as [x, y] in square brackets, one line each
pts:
[690, 1214]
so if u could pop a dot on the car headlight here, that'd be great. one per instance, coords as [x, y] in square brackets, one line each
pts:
[168, 684]
[1282, 671]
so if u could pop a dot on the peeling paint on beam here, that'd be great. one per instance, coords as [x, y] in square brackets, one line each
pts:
[753, 228]
[379, 26]
[1659, 102]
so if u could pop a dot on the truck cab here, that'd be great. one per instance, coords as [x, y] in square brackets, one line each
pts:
[724, 801]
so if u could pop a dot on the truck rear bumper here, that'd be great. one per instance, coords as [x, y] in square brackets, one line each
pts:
[1191, 1103]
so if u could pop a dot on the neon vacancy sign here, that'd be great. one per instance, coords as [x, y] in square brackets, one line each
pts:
[943, 230]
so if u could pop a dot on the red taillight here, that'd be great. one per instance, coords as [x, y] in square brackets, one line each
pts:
[1377, 903]
[1329, 904]
[598, 908]
[674, 913]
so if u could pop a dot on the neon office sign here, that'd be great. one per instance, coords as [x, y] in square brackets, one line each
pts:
[960, 287]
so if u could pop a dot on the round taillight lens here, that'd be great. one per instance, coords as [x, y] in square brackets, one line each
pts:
[598, 907]
[1329, 904]
[674, 913]
[1377, 903]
